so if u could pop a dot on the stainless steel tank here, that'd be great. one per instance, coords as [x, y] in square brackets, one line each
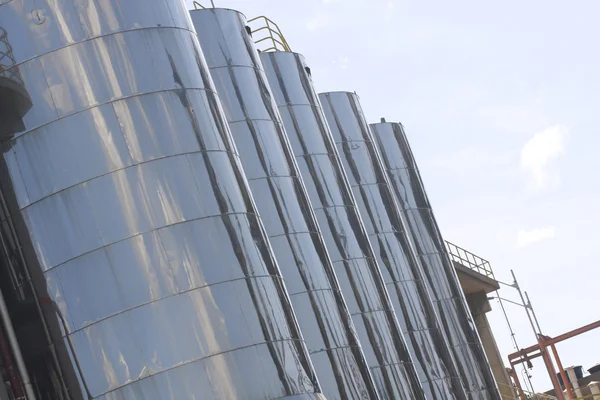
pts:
[137, 212]
[283, 203]
[346, 238]
[400, 267]
[440, 274]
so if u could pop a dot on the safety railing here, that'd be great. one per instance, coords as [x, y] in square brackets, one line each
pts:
[7, 59]
[198, 6]
[267, 35]
[469, 260]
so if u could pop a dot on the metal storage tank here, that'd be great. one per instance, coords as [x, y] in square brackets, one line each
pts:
[137, 212]
[283, 203]
[400, 267]
[440, 274]
[344, 232]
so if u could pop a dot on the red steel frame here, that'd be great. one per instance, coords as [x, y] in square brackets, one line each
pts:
[541, 350]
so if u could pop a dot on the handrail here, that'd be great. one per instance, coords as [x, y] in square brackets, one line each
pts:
[198, 6]
[469, 260]
[273, 34]
[7, 59]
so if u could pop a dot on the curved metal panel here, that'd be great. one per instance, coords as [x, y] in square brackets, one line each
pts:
[440, 274]
[138, 213]
[344, 233]
[283, 203]
[401, 269]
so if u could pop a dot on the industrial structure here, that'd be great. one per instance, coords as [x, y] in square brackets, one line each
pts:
[183, 217]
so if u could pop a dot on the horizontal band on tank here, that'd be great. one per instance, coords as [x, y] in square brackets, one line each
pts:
[334, 348]
[444, 299]
[344, 206]
[236, 66]
[267, 178]
[255, 119]
[355, 141]
[401, 169]
[293, 233]
[111, 102]
[355, 258]
[92, 39]
[387, 232]
[125, 168]
[150, 230]
[99, 71]
[359, 185]
[393, 282]
[371, 311]
[199, 360]
[308, 155]
[314, 291]
[183, 292]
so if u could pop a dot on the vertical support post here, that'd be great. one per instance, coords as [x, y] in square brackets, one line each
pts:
[537, 332]
[513, 374]
[551, 372]
[563, 375]
[16, 350]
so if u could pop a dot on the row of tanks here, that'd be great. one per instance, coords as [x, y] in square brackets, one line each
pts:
[194, 221]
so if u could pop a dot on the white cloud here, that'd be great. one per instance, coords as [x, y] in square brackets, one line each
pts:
[539, 152]
[529, 237]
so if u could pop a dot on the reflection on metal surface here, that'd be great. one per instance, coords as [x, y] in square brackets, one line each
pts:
[400, 267]
[344, 233]
[440, 274]
[137, 211]
[283, 203]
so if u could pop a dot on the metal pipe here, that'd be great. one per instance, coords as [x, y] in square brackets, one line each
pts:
[16, 350]
[344, 232]
[563, 375]
[439, 271]
[513, 373]
[401, 268]
[284, 205]
[552, 373]
[11, 371]
[36, 299]
[547, 361]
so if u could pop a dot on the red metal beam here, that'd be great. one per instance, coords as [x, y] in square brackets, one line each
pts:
[549, 340]
[574, 332]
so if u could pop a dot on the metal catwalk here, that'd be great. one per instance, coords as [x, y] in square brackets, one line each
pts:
[401, 269]
[136, 213]
[440, 274]
[344, 232]
[284, 205]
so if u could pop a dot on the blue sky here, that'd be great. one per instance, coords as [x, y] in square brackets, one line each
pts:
[500, 103]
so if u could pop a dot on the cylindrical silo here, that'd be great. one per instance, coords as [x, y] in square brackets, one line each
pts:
[400, 267]
[283, 203]
[440, 274]
[346, 238]
[137, 213]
